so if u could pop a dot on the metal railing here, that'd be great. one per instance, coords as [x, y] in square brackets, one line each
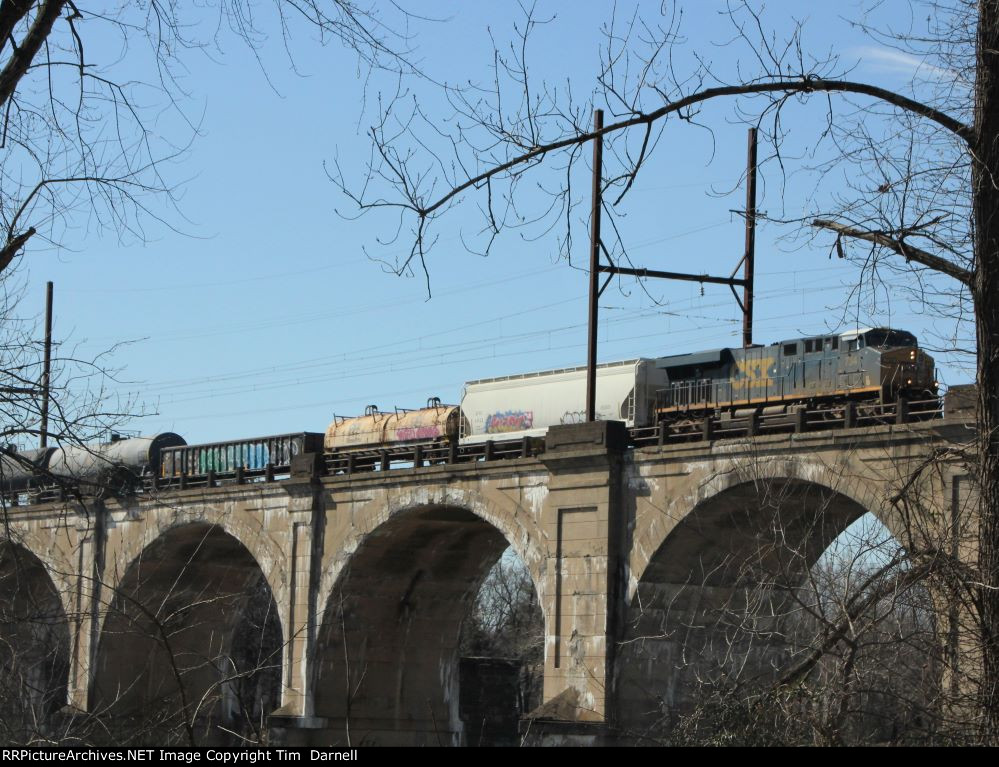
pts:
[431, 454]
[796, 419]
[713, 391]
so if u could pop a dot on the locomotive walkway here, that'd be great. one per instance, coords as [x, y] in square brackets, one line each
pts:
[366, 564]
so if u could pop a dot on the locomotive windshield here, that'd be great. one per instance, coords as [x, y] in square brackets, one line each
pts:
[885, 338]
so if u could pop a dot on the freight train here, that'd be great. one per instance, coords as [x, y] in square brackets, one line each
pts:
[873, 366]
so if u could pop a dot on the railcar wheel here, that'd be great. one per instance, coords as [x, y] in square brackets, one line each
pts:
[681, 426]
[831, 414]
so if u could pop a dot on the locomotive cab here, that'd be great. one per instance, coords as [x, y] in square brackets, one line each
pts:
[896, 363]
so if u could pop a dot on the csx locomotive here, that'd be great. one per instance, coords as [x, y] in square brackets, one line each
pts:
[877, 365]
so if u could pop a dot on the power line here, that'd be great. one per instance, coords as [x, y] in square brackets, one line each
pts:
[411, 365]
[192, 334]
[408, 343]
[185, 391]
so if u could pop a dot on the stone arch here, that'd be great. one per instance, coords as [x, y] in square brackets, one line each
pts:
[190, 650]
[57, 549]
[734, 542]
[712, 479]
[518, 525]
[127, 543]
[387, 651]
[34, 647]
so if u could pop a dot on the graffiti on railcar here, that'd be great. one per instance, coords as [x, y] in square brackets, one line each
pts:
[418, 432]
[248, 455]
[573, 416]
[509, 420]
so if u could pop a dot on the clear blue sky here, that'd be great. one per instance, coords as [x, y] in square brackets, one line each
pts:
[262, 315]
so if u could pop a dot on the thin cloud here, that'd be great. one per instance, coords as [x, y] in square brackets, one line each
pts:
[896, 62]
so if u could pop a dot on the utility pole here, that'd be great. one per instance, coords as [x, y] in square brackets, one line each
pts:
[750, 254]
[47, 370]
[591, 346]
[747, 262]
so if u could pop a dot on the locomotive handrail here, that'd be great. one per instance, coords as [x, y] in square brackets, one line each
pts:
[796, 419]
[708, 392]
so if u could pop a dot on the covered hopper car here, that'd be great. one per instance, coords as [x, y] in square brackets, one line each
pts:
[528, 405]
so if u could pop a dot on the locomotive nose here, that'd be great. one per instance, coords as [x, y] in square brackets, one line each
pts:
[907, 370]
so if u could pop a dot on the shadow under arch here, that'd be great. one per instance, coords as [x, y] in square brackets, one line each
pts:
[190, 650]
[34, 648]
[387, 670]
[709, 603]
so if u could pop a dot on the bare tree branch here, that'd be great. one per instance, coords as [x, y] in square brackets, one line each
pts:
[898, 245]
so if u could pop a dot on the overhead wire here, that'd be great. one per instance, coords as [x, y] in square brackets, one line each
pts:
[438, 387]
[411, 341]
[182, 390]
[411, 365]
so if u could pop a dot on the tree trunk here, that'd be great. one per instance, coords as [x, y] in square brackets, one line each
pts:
[985, 288]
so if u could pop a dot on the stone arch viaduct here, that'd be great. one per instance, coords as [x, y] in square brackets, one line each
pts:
[362, 581]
